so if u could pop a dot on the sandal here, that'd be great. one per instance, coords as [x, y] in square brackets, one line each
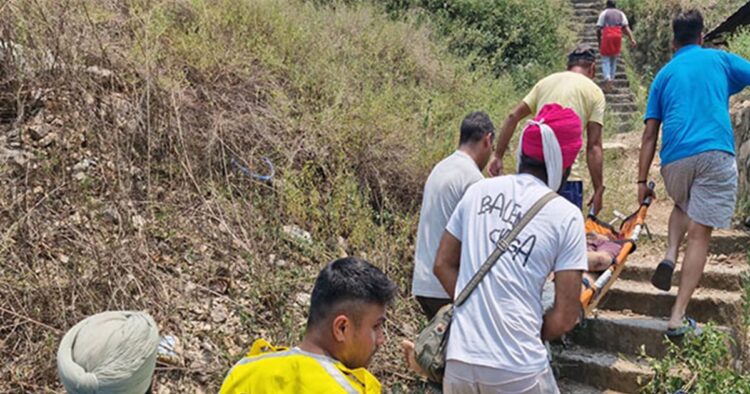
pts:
[688, 326]
[662, 278]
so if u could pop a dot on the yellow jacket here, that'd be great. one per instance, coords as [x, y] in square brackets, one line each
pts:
[269, 369]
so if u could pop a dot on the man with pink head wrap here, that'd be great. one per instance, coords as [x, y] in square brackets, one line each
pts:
[496, 337]
[553, 137]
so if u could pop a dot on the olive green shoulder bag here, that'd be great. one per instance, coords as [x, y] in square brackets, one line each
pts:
[432, 341]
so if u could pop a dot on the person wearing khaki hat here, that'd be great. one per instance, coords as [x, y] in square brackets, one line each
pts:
[111, 352]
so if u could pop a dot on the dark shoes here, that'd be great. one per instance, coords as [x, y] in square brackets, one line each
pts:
[662, 278]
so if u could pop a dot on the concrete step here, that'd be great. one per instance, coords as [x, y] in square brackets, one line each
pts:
[586, 10]
[587, 13]
[589, 34]
[621, 83]
[621, 90]
[586, 19]
[622, 116]
[568, 386]
[625, 333]
[616, 98]
[600, 369]
[619, 93]
[622, 107]
[716, 275]
[589, 30]
[589, 3]
[618, 75]
[591, 6]
[643, 298]
[587, 6]
[723, 242]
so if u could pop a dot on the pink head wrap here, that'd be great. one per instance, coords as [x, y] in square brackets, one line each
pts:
[566, 125]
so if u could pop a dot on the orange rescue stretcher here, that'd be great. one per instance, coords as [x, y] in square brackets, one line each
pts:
[630, 230]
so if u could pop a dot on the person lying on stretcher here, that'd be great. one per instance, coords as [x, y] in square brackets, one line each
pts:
[601, 254]
[602, 251]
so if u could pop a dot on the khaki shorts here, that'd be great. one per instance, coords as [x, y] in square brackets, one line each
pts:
[463, 378]
[704, 186]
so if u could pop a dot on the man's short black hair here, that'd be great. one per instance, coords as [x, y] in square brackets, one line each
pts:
[687, 27]
[345, 281]
[582, 56]
[529, 165]
[611, 4]
[539, 169]
[475, 126]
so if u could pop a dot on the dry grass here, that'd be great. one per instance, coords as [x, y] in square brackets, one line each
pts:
[130, 200]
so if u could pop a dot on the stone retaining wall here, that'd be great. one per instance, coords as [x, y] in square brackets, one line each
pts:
[741, 121]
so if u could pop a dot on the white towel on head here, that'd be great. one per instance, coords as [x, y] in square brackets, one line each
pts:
[110, 352]
[553, 160]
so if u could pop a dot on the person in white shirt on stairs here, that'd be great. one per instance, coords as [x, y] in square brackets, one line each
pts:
[496, 336]
[445, 186]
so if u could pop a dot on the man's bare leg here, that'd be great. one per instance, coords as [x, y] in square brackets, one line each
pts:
[698, 237]
[678, 226]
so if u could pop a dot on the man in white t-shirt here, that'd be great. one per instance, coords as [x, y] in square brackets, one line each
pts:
[496, 337]
[445, 186]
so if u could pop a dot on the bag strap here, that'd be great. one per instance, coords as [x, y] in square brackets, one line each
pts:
[501, 246]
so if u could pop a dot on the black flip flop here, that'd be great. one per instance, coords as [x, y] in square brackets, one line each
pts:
[662, 278]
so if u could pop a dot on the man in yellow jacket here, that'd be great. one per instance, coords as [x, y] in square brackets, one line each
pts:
[344, 330]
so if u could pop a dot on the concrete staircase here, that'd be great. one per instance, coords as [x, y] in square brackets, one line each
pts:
[620, 101]
[600, 355]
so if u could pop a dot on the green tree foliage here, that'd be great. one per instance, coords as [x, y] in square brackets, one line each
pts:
[526, 38]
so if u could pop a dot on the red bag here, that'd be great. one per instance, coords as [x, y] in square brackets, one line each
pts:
[611, 41]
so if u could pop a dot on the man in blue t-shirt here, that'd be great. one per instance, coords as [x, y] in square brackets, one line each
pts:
[689, 98]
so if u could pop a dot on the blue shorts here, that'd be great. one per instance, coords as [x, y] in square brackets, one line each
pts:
[573, 192]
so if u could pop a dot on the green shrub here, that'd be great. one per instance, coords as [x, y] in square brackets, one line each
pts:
[739, 43]
[700, 365]
[524, 38]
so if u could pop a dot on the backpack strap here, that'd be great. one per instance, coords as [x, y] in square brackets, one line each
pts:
[501, 246]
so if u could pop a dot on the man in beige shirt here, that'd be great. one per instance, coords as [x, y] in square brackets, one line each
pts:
[575, 89]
